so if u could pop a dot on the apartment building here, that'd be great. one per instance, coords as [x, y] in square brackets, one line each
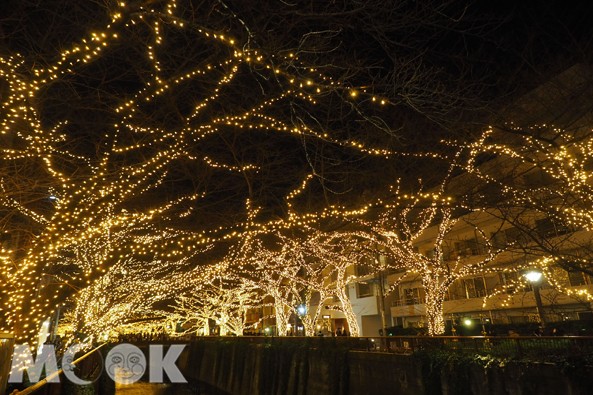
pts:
[495, 294]
[565, 101]
[495, 297]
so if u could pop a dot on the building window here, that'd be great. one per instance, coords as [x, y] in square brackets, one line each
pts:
[547, 228]
[448, 253]
[364, 290]
[474, 288]
[455, 291]
[413, 296]
[469, 247]
[498, 240]
[576, 278]
[561, 276]
[363, 270]
[508, 279]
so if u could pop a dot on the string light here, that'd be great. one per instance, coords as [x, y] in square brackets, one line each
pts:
[109, 245]
[549, 179]
[95, 225]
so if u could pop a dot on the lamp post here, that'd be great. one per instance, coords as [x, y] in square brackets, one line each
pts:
[534, 277]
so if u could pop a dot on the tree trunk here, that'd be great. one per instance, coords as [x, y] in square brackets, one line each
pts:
[309, 326]
[434, 312]
[347, 309]
[282, 318]
[206, 327]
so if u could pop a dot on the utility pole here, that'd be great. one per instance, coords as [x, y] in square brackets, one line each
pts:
[539, 306]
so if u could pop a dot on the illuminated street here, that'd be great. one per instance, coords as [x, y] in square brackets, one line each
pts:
[296, 197]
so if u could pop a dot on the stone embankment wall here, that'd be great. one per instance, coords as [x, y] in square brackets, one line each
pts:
[240, 368]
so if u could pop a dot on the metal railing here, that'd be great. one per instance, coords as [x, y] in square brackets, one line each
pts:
[41, 383]
[406, 302]
[533, 347]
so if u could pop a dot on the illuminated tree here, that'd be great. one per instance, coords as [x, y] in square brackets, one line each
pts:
[315, 291]
[132, 290]
[225, 302]
[139, 129]
[272, 264]
[416, 232]
[540, 183]
[290, 271]
[339, 271]
[126, 132]
[335, 259]
[195, 314]
[305, 271]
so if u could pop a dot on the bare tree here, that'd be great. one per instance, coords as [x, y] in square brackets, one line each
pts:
[225, 302]
[540, 185]
[141, 129]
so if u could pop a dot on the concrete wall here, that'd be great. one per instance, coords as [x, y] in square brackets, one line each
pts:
[284, 369]
[366, 311]
[240, 368]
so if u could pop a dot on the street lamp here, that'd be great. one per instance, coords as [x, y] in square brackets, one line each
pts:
[534, 277]
[301, 310]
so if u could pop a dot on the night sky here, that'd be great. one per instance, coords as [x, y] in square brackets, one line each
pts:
[446, 71]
